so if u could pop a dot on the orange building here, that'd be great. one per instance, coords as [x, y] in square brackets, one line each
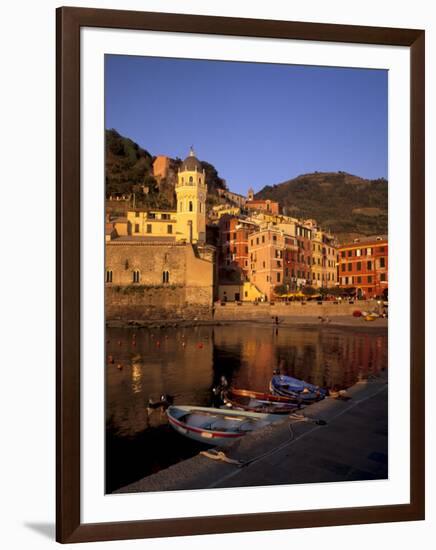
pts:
[233, 247]
[263, 205]
[272, 256]
[363, 265]
[161, 166]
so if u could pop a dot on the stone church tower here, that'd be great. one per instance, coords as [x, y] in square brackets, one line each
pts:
[191, 191]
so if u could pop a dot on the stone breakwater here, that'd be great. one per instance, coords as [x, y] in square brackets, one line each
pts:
[248, 312]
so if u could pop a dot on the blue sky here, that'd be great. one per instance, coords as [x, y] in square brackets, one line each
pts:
[258, 124]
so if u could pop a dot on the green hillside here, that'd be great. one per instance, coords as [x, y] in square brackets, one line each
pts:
[347, 205]
[129, 168]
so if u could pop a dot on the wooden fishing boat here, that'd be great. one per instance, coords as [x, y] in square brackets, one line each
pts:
[255, 405]
[246, 400]
[218, 427]
[288, 386]
[261, 396]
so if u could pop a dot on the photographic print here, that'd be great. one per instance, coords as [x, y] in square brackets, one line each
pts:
[246, 274]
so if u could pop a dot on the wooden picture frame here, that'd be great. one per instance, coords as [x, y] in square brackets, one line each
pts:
[68, 523]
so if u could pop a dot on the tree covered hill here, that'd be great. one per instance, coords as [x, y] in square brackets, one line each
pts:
[347, 205]
[129, 168]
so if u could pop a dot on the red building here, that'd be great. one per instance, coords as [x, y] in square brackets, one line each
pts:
[363, 265]
[233, 247]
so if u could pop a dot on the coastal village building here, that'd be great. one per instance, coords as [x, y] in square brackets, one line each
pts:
[157, 261]
[272, 259]
[188, 222]
[266, 205]
[324, 257]
[363, 265]
[161, 167]
[234, 198]
[233, 244]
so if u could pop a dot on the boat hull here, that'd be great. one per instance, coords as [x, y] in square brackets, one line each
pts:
[218, 427]
[287, 386]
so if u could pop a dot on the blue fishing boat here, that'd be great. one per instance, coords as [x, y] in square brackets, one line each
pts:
[288, 386]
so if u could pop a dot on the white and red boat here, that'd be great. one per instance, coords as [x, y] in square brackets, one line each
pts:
[218, 427]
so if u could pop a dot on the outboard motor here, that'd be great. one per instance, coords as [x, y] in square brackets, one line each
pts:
[220, 390]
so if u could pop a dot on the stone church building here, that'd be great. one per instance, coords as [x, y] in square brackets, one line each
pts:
[159, 266]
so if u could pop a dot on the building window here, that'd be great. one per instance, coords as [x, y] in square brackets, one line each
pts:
[359, 266]
[369, 290]
[369, 265]
[369, 278]
[151, 215]
[343, 254]
[350, 253]
[257, 240]
[274, 237]
[136, 276]
[359, 280]
[136, 227]
[149, 228]
[278, 277]
[165, 277]
[190, 206]
[191, 179]
[343, 267]
[382, 262]
[136, 214]
[263, 265]
[349, 267]
[169, 229]
[383, 277]
[369, 252]
[382, 249]
[263, 238]
[109, 276]
[358, 252]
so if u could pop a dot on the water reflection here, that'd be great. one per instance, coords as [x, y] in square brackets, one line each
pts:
[187, 362]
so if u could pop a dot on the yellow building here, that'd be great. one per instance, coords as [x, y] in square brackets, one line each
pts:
[188, 222]
[151, 223]
[324, 258]
[191, 191]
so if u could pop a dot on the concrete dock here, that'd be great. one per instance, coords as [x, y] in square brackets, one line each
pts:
[351, 445]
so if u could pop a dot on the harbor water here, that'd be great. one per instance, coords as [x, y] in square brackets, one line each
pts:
[187, 362]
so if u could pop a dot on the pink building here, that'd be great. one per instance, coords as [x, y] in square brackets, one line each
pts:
[271, 257]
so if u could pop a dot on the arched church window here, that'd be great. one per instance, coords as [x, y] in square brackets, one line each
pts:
[136, 276]
[191, 179]
[108, 275]
[199, 180]
[165, 277]
[191, 208]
